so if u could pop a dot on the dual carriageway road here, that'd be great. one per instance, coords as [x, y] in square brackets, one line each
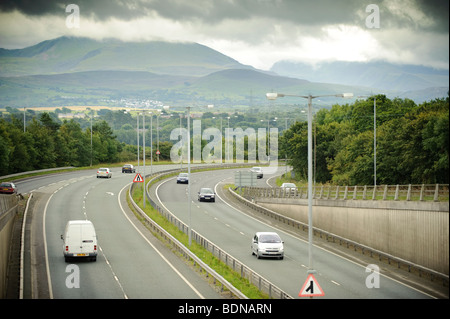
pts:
[132, 263]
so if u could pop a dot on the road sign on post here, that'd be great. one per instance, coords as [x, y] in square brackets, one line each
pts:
[244, 178]
[311, 288]
[138, 178]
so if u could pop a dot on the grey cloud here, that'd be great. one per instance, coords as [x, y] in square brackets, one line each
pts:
[307, 12]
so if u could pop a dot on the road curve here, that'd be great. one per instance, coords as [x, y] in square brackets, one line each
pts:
[131, 263]
[232, 230]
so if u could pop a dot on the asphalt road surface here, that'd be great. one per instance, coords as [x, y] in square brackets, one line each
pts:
[131, 263]
[232, 231]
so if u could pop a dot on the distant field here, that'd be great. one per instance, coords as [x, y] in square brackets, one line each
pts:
[73, 108]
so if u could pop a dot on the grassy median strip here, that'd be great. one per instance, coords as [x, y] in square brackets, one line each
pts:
[207, 257]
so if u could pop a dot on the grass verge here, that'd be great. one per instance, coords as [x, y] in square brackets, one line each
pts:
[207, 257]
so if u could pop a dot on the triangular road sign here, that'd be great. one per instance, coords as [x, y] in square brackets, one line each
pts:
[138, 178]
[311, 288]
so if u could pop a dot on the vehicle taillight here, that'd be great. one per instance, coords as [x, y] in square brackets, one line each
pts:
[95, 247]
[67, 248]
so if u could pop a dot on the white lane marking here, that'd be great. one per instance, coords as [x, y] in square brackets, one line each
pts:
[113, 273]
[159, 253]
[47, 266]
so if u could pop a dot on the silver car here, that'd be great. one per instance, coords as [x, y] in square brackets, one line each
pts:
[183, 178]
[267, 244]
[104, 172]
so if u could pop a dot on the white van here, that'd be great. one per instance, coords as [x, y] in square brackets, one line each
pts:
[80, 240]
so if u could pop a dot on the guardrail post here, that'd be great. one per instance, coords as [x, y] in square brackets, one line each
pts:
[436, 193]
[408, 195]
[422, 190]
[396, 192]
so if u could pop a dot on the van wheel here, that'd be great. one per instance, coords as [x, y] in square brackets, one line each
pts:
[93, 258]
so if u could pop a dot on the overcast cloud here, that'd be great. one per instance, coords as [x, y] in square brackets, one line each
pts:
[254, 32]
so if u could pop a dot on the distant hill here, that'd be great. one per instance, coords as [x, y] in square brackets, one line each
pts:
[377, 75]
[71, 54]
[80, 71]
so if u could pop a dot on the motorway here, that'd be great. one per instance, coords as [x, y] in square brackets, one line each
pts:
[232, 230]
[131, 263]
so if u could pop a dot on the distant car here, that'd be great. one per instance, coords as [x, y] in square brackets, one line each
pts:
[8, 188]
[183, 178]
[267, 244]
[206, 194]
[289, 187]
[128, 168]
[104, 172]
[258, 171]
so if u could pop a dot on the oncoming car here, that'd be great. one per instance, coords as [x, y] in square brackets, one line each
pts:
[206, 194]
[183, 178]
[104, 172]
[267, 244]
[289, 187]
[258, 171]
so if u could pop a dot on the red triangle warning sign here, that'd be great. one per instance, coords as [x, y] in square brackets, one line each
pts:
[311, 288]
[138, 178]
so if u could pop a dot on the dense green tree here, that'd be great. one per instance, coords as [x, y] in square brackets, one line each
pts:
[412, 143]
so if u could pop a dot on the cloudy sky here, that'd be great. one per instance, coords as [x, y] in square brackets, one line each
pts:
[254, 32]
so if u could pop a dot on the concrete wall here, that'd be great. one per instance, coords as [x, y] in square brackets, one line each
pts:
[8, 212]
[414, 231]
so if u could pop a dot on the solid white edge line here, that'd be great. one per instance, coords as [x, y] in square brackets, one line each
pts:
[47, 267]
[159, 253]
[22, 246]
[321, 248]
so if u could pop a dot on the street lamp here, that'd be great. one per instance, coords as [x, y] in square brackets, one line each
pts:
[188, 110]
[151, 147]
[374, 139]
[274, 96]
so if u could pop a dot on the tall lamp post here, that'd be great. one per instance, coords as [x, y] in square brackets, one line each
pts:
[274, 96]
[188, 110]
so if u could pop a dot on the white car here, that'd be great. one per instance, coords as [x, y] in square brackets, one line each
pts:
[289, 187]
[183, 178]
[267, 244]
[258, 171]
[104, 172]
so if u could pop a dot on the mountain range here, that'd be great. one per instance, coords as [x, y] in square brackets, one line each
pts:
[81, 71]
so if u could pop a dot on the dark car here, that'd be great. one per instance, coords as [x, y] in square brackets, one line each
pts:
[8, 188]
[128, 168]
[206, 194]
